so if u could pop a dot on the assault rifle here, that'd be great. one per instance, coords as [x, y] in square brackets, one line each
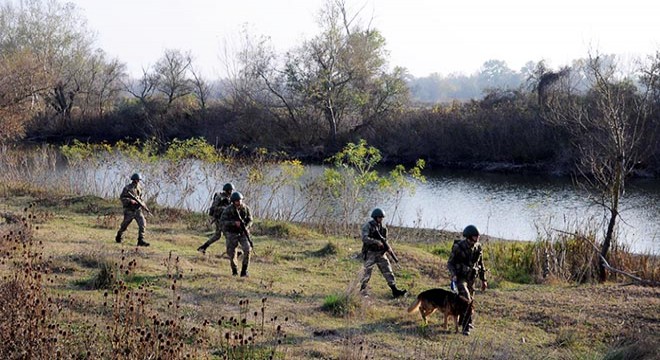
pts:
[388, 248]
[140, 202]
[245, 229]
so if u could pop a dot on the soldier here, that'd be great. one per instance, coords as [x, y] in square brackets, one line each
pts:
[220, 202]
[465, 264]
[236, 220]
[131, 200]
[373, 252]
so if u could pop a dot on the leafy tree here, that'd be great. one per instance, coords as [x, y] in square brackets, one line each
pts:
[496, 74]
[354, 179]
[339, 76]
[70, 74]
[21, 81]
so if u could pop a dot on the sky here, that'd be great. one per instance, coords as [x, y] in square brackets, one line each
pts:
[424, 36]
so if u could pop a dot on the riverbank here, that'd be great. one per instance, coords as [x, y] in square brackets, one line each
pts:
[295, 274]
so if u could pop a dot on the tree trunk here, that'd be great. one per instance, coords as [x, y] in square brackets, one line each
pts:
[615, 192]
[332, 122]
[605, 248]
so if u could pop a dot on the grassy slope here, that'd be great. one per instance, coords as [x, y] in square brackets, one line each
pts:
[513, 321]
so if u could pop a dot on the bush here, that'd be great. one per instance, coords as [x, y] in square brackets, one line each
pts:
[443, 250]
[341, 304]
[511, 261]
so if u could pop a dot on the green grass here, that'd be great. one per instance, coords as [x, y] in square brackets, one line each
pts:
[308, 280]
[345, 304]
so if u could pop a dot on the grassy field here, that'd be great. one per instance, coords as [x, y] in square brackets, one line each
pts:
[300, 301]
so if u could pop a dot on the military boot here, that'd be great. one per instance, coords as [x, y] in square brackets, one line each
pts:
[202, 249]
[244, 272]
[141, 242]
[363, 290]
[234, 270]
[467, 324]
[397, 292]
[118, 237]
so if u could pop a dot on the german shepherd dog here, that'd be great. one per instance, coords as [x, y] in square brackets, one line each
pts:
[447, 302]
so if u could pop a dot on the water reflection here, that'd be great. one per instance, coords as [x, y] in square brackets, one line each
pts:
[518, 207]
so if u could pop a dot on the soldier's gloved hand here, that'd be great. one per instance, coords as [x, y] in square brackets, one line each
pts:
[133, 202]
[380, 246]
[237, 223]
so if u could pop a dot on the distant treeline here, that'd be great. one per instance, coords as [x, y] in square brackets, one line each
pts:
[501, 132]
[335, 88]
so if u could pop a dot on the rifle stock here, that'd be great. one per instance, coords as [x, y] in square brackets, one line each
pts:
[387, 246]
[140, 202]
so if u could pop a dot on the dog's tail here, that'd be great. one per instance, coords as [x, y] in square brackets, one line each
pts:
[415, 305]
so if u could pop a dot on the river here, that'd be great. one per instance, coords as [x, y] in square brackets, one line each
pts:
[519, 207]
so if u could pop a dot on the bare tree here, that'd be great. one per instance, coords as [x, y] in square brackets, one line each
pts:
[200, 88]
[102, 83]
[143, 88]
[172, 74]
[256, 83]
[342, 72]
[608, 124]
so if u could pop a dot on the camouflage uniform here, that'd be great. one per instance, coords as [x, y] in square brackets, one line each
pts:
[466, 262]
[220, 202]
[132, 211]
[373, 253]
[235, 236]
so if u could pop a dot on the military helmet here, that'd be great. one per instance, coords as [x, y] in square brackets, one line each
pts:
[470, 231]
[235, 196]
[377, 212]
[228, 187]
[136, 176]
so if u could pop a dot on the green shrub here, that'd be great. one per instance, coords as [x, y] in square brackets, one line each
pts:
[511, 261]
[341, 304]
[443, 249]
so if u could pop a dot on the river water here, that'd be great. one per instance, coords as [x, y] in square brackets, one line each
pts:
[519, 207]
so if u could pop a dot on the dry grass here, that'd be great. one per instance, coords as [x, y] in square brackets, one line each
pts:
[171, 301]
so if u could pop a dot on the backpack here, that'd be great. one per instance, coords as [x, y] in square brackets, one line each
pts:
[214, 204]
